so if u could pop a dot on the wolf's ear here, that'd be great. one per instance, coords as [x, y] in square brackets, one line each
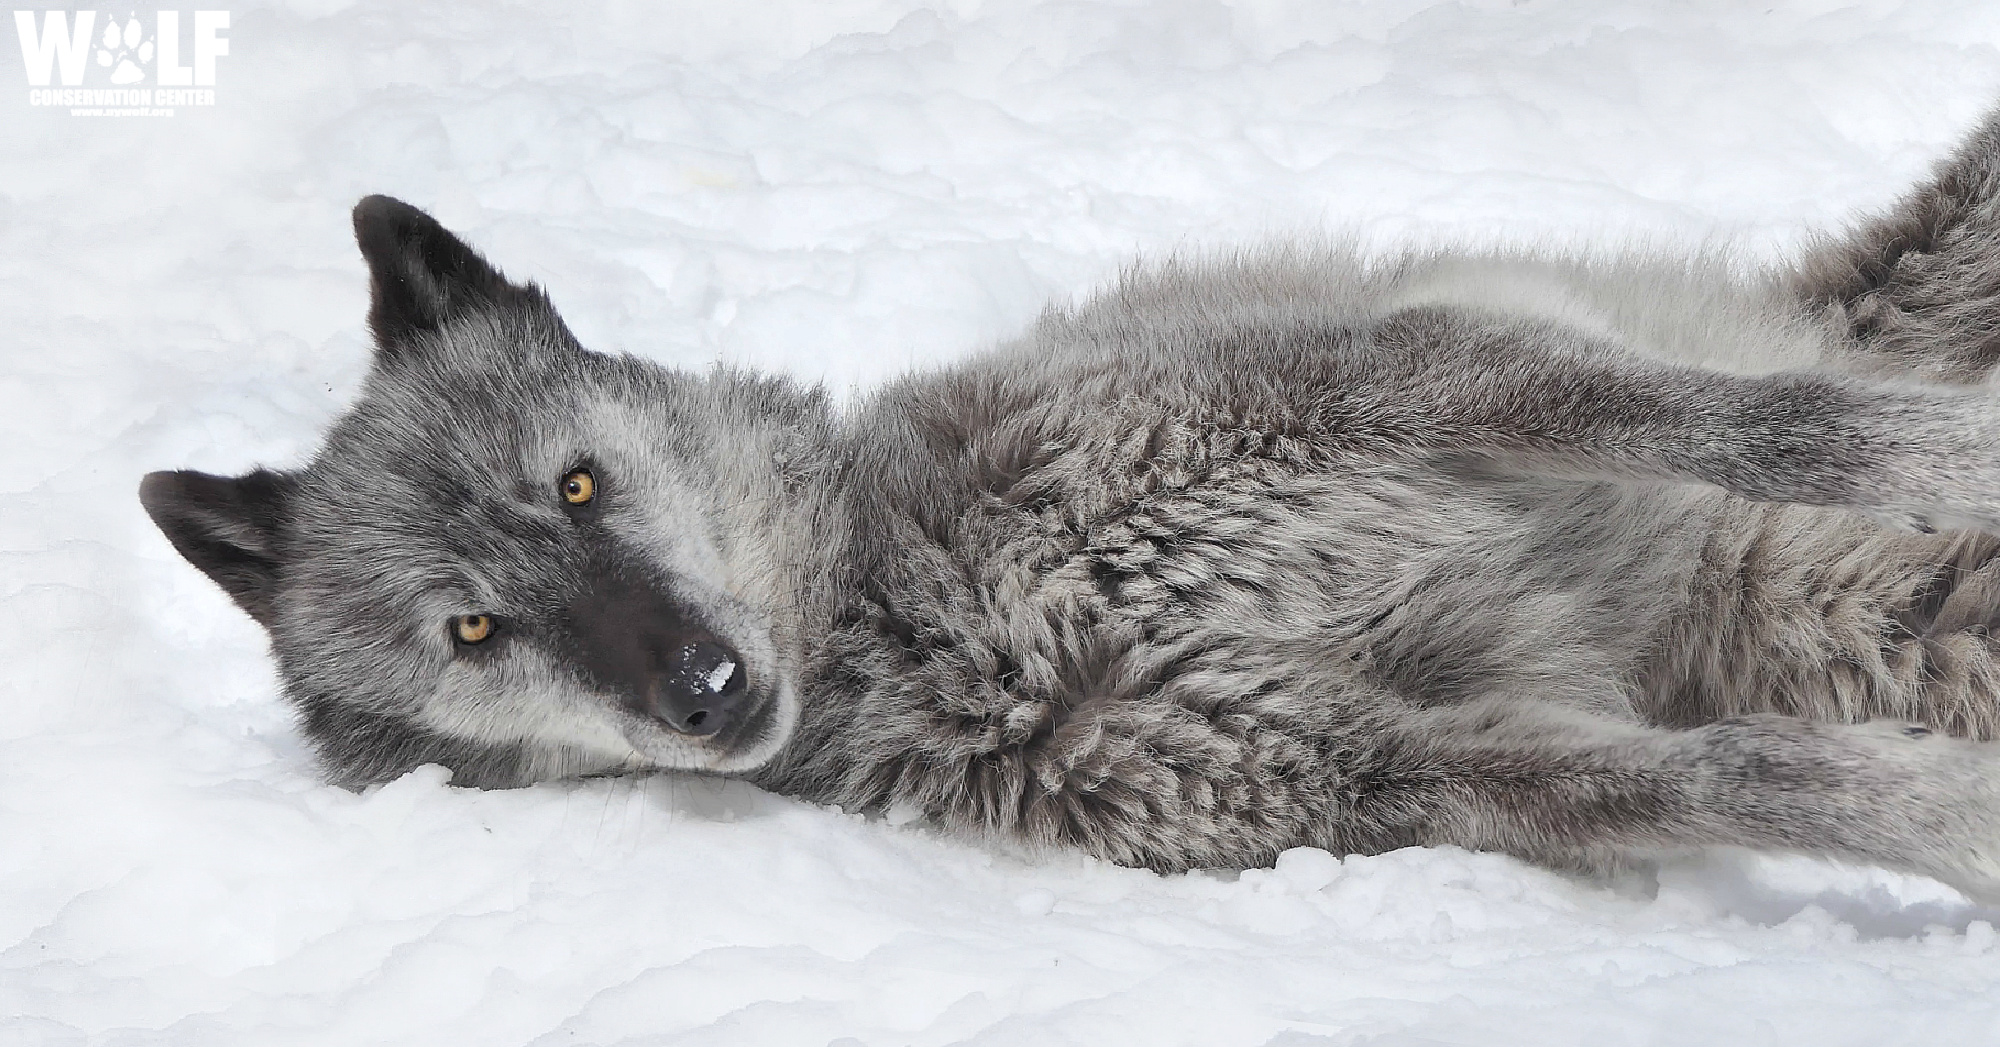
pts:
[421, 277]
[230, 528]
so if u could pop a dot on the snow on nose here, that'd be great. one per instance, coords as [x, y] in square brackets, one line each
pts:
[719, 676]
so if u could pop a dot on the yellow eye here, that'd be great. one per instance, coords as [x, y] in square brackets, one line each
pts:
[472, 628]
[579, 487]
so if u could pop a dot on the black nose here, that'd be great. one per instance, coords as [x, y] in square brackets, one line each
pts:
[698, 689]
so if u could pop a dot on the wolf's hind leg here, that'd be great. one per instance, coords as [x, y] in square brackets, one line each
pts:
[1569, 789]
[1918, 288]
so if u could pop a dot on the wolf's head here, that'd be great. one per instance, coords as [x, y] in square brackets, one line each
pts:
[513, 556]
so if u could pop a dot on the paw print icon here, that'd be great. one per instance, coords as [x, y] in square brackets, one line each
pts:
[124, 50]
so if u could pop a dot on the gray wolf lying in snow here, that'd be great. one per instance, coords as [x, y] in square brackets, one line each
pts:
[1578, 558]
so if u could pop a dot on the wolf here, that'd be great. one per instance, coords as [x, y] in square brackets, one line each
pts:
[1585, 558]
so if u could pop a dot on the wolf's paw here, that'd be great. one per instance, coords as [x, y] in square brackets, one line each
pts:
[1946, 494]
[1960, 503]
[1902, 521]
[1934, 800]
[1975, 871]
[1972, 800]
[1925, 461]
[125, 49]
[1953, 515]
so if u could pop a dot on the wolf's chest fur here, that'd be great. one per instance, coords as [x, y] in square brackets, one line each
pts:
[1112, 641]
[1162, 630]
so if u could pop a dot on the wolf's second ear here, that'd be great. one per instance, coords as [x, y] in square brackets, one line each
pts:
[230, 528]
[420, 275]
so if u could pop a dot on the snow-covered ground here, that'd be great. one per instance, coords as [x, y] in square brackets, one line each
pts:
[840, 188]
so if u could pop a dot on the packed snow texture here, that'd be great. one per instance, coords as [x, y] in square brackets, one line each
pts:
[842, 189]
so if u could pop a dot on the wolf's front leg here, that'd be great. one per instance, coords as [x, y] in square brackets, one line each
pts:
[1570, 789]
[1539, 399]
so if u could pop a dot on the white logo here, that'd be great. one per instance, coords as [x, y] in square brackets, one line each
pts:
[93, 71]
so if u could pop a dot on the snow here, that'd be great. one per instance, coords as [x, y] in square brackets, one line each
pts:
[842, 188]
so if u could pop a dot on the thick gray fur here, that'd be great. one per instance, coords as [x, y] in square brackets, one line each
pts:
[1577, 558]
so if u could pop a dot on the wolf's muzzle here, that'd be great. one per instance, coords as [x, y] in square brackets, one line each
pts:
[632, 639]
